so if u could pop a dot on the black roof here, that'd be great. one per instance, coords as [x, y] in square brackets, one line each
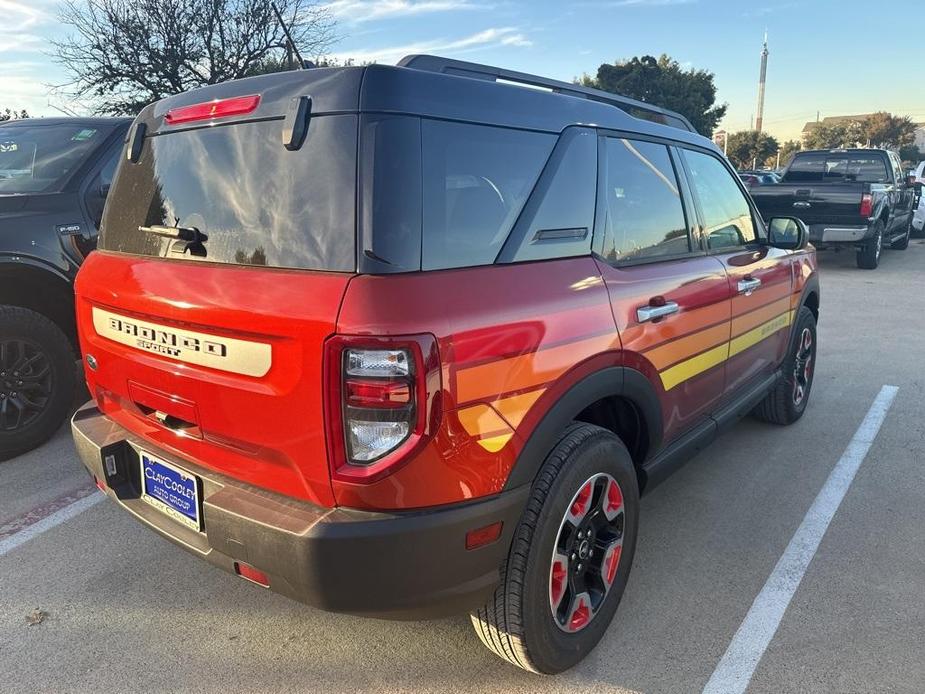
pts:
[440, 88]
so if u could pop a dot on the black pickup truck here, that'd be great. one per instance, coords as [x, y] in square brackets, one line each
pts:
[54, 177]
[847, 197]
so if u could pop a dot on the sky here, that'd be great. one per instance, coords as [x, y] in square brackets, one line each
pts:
[818, 62]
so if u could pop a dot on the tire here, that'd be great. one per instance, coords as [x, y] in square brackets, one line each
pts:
[869, 255]
[902, 243]
[787, 402]
[523, 623]
[38, 376]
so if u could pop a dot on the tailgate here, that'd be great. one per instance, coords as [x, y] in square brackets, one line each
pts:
[226, 247]
[219, 365]
[821, 203]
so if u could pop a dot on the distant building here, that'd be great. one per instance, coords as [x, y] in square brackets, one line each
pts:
[831, 120]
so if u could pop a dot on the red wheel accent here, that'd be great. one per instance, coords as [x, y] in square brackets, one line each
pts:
[557, 584]
[614, 499]
[580, 615]
[581, 503]
[611, 562]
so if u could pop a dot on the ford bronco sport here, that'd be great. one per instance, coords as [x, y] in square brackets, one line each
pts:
[409, 341]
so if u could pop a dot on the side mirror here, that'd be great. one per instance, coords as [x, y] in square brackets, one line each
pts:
[910, 181]
[788, 233]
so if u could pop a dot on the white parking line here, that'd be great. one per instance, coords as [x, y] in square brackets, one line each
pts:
[50, 521]
[734, 671]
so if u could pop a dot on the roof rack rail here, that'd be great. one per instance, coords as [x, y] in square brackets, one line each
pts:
[638, 109]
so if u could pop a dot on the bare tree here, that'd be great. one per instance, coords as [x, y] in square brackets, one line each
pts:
[124, 54]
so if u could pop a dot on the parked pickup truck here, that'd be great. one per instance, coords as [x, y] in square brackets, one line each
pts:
[847, 197]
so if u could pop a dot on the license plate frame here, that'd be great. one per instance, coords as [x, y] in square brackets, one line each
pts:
[171, 490]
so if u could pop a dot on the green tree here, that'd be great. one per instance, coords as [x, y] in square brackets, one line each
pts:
[911, 153]
[7, 114]
[663, 82]
[883, 129]
[124, 54]
[825, 136]
[749, 146]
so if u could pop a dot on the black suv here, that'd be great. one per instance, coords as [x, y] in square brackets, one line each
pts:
[54, 177]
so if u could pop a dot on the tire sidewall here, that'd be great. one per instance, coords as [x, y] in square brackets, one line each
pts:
[35, 328]
[550, 647]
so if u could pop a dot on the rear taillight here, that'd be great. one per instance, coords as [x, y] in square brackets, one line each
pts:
[380, 402]
[867, 205]
[235, 106]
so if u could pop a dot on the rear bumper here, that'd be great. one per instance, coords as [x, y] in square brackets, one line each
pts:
[833, 234]
[409, 565]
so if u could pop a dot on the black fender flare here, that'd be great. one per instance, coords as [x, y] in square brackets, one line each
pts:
[612, 381]
[811, 287]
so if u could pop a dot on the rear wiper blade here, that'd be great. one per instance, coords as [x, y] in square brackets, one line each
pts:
[190, 234]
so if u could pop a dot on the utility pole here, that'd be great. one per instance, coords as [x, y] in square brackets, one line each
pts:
[761, 80]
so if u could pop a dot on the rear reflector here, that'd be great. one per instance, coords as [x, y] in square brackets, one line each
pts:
[100, 484]
[483, 536]
[221, 108]
[251, 574]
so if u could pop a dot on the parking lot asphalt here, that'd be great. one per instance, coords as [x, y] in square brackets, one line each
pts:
[127, 611]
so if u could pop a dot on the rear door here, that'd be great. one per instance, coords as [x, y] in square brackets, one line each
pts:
[759, 276]
[670, 300]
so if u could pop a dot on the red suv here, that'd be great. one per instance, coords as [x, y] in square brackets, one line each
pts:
[409, 341]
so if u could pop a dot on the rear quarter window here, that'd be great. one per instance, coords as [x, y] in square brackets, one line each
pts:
[476, 180]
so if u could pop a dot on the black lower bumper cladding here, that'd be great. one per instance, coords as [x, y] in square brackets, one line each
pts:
[396, 565]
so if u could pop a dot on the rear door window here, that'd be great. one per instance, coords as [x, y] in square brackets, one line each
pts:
[727, 216]
[644, 216]
[256, 202]
[476, 180]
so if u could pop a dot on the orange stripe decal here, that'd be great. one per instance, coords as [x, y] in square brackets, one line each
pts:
[745, 322]
[673, 352]
[528, 370]
[483, 423]
[515, 408]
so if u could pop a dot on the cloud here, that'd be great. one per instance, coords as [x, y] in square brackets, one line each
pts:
[368, 10]
[19, 19]
[494, 37]
[640, 3]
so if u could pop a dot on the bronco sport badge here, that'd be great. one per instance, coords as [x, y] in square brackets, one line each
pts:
[224, 353]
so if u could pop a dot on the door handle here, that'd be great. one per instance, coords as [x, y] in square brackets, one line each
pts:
[649, 313]
[748, 285]
[800, 204]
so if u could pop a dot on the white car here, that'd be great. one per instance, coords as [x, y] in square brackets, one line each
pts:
[918, 219]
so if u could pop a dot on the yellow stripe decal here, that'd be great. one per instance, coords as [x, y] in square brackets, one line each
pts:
[694, 366]
[756, 335]
[697, 365]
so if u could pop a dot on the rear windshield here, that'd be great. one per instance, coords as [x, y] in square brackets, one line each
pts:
[838, 166]
[255, 202]
[41, 158]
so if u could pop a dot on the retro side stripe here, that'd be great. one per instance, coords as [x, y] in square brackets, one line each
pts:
[694, 366]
